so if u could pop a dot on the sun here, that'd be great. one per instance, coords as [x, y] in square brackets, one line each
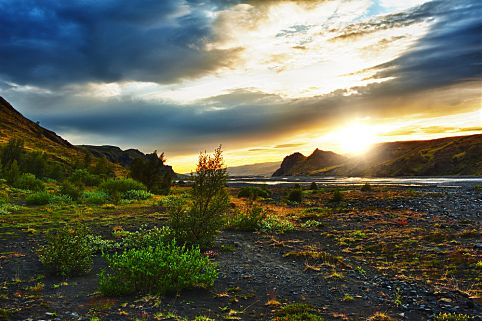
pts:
[355, 138]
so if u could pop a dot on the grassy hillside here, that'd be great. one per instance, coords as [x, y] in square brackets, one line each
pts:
[448, 156]
[15, 125]
[445, 156]
[36, 138]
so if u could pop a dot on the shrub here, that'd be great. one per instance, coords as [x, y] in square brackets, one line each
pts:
[254, 192]
[276, 224]
[30, 182]
[137, 194]
[366, 188]
[295, 195]
[297, 312]
[143, 237]
[60, 199]
[200, 221]
[82, 177]
[337, 196]
[38, 198]
[452, 317]
[119, 186]
[67, 252]
[98, 197]
[74, 191]
[160, 269]
[247, 221]
[314, 186]
[6, 208]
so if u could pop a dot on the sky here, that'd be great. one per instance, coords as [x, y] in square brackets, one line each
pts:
[262, 78]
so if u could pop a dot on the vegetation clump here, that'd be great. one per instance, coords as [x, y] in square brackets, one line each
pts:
[295, 195]
[30, 182]
[38, 198]
[68, 251]
[74, 191]
[199, 220]
[152, 172]
[297, 312]
[444, 316]
[116, 187]
[336, 196]
[250, 220]
[98, 197]
[254, 192]
[366, 188]
[137, 194]
[164, 268]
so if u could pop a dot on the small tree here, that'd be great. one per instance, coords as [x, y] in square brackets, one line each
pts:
[202, 220]
[152, 172]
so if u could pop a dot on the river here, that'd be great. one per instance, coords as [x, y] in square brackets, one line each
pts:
[398, 181]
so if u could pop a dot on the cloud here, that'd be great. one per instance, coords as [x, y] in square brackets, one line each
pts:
[51, 43]
[288, 145]
[451, 53]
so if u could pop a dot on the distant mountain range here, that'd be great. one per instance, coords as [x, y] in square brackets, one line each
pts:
[297, 164]
[258, 169]
[447, 156]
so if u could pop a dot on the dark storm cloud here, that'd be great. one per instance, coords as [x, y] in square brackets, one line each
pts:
[48, 43]
[451, 52]
[170, 127]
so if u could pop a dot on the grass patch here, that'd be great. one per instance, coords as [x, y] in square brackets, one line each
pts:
[297, 312]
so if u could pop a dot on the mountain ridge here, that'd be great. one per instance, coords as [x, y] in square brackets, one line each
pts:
[447, 156]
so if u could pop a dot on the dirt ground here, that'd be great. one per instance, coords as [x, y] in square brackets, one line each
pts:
[409, 254]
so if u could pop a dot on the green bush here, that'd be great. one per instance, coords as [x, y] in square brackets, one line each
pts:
[67, 252]
[200, 221]
[443, 316]
[38, 198]
[121, 185]
[337, 196]
[247, 221]
[82, 177]
[144, 237]
[295, 195]
[164, 268]
[137, 194]
[254, 192]
[60, 199]
[314, 186]
[366, 188]
[98, 197]
[74, 191]
[30, 182]
[274, 224]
